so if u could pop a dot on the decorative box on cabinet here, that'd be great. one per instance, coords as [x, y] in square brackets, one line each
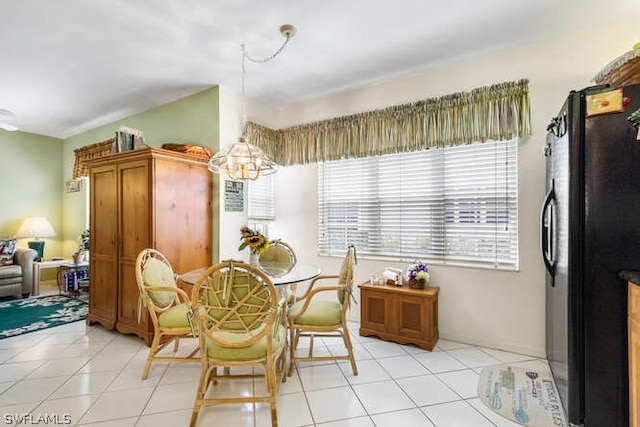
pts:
[400, 314]
[150, 198]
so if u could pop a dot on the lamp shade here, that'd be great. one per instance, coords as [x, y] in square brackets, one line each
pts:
[36, 227]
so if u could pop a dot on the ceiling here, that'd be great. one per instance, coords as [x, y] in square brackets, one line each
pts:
[67, 66]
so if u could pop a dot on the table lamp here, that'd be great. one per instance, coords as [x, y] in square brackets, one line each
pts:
[36, 227]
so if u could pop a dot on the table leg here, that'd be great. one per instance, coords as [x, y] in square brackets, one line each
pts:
[35, 285]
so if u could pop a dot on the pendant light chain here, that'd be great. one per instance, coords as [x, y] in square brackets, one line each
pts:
[288, 32]
[270, 57]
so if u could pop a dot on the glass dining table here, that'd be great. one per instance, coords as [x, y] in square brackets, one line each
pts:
[299, 273]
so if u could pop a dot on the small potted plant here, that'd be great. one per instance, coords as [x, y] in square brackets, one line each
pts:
[83, 247]
[84, 239]
[418, 275]
[78, 256]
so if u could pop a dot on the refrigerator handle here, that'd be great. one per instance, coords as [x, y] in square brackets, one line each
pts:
[547, 228]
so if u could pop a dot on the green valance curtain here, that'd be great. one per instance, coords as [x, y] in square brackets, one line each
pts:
[496, 112]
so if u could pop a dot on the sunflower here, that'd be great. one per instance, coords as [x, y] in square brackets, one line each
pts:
[254, 240]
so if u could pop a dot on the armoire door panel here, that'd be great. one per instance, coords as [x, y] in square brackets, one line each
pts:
[104, 284]
[128, 302]
[634, 372]
[135, 218]
[103, 254]
[104, 211]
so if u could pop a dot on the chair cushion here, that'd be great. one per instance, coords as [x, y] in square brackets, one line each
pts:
[255, 351]
[157, 273]
[318, 313]
[7, 249]
[175, 317]
[277, 260]
[346, 273]
[251, 307]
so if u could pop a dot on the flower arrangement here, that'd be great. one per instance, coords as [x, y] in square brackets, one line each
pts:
[84, 239]
[418, 271]
[256, 242]
[83, 242]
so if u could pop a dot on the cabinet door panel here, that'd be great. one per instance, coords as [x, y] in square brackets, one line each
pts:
[412, 317]
[128, 306]
[135, 225]
[103, 253]
[634, 301]
[377, 310]
[135, 215]
[634, 373]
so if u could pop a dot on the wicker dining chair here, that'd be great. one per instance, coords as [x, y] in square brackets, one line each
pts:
[168, 305]
[314, 315]
[241, 324]
[278, 259]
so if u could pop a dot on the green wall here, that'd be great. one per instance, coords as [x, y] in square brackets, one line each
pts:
[32, 184]
[194, 119]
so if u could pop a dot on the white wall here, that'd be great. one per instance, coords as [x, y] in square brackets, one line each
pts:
[230, 130]
[496, 309]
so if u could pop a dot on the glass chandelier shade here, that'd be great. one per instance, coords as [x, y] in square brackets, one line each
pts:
[242, 161]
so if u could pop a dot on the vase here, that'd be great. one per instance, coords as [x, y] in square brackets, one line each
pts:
[253, 258]
[417, 284]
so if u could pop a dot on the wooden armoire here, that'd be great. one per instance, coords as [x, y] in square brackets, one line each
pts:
[148, 198]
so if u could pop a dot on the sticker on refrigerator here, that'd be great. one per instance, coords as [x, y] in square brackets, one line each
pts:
[605, 103]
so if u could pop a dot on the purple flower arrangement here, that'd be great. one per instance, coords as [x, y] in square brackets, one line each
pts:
[419, 271]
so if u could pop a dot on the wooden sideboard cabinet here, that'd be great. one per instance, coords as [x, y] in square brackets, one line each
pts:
[149, 198]
[634, 354]
[400, 314]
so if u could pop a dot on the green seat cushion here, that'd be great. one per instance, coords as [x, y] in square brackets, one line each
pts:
[255, 351]
[157, 273]
[175, 317]
[318, 313]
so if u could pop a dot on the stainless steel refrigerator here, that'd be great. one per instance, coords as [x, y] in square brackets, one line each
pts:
[590, 225]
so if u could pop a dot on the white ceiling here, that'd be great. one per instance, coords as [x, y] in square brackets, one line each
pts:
[67, 66]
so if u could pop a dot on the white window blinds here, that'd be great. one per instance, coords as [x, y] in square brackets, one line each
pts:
[260, 199]
[455, 205]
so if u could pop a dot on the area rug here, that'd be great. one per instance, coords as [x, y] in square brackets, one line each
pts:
[32, 314]
[525, 396]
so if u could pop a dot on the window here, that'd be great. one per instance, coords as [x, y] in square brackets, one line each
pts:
[455, 205]
[260, 203]
[260, 198]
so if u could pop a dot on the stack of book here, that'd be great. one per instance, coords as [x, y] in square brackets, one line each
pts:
[128, 139]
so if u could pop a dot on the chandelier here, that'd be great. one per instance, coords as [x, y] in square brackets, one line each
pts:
[242, 160]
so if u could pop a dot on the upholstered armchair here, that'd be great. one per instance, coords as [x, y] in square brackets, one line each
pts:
[17, 278]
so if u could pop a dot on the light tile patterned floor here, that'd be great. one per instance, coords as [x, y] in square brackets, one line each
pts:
[93, 375]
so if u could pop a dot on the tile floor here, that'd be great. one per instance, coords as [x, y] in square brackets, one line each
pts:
[86, 375]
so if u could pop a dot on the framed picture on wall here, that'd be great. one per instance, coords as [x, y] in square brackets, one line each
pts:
[233, 196]
[73, 185]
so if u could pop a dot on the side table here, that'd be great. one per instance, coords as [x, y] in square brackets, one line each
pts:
[73, 278]
[41, 265]
[400, 314]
